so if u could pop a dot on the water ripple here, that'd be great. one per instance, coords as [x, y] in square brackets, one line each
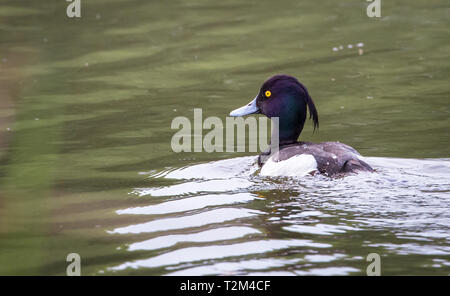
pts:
[194, 254]
[225, 233]
[184, 222]
[315, 221]
[190, 203]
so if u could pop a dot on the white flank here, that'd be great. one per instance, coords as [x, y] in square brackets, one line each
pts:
[296, 166]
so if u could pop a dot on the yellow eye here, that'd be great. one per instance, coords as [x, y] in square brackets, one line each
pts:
[268, 93]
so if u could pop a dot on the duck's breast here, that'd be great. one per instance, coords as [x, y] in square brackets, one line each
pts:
[296, 166]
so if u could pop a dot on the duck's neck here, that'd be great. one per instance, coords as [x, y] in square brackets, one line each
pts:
[289, 129]
[288, 135]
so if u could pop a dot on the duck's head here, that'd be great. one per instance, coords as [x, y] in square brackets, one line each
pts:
[284, 97]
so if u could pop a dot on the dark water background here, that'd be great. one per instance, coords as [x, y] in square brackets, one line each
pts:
[86, 164]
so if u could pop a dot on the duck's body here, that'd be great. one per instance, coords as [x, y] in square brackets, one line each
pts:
[327, 158]
[282, 96]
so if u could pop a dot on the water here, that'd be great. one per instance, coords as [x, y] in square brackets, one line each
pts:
[239, 223]
[85, 158]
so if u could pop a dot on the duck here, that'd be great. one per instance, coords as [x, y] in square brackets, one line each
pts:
[284, 97]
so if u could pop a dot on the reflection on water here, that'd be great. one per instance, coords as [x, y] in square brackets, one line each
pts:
[190, 203]
[86, 164]
[197, 220]
[320, 218]
[212, 235]
[193, 254]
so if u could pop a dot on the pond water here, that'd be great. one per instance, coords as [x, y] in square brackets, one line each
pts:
[86, 164]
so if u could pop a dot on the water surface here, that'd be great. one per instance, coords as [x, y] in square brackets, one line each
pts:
[85, 159]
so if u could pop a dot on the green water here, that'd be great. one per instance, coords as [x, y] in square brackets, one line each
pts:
[86, 106]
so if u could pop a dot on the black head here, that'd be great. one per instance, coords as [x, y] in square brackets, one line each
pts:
[284, 97]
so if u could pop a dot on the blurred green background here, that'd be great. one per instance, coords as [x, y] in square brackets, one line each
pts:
[86, 103]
